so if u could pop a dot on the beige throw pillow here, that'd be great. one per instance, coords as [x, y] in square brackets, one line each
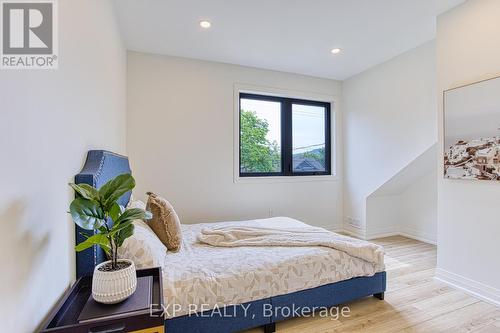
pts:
[165, 222]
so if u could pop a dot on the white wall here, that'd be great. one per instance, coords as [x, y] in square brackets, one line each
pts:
[411, 212]
[389, 120]
[180, 140]
[48, 120]
[418, 204]
[384, 215]
[407, 203]
[468, 50]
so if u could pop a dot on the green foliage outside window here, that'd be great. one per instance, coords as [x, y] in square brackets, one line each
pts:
[258, 154]
[317, 154]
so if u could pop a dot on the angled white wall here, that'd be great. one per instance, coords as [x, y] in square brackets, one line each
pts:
[411, 212]
[468, 50]
[389, 119]
[407, 203]
[49, 119]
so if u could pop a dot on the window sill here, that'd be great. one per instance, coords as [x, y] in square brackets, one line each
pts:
[286, 179]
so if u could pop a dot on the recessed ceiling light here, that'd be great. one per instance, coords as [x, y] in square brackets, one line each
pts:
[205, 24]
[336, 50]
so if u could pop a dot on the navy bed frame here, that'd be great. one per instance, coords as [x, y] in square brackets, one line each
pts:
[102, 166]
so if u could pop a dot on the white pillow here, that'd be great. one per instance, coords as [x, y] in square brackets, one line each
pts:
[144, 248]
[136, 204]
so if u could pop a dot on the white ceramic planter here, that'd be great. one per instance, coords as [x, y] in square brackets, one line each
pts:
[114, 287]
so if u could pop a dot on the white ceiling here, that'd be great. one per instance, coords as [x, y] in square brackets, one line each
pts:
[287, 35]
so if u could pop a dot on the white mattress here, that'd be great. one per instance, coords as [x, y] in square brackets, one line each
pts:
[201, 277]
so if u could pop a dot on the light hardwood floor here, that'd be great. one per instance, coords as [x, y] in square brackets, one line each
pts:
[414, 301]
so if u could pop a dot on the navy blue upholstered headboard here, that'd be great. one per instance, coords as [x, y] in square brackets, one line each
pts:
[99, 167]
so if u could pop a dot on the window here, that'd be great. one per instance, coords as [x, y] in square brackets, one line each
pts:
[283, 136]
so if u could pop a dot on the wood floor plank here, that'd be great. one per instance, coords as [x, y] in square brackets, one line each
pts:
[467, 319]
[396, 319]
[491, 328]
[414, 301]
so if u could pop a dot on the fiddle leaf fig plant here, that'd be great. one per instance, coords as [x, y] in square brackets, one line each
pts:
[98, 210]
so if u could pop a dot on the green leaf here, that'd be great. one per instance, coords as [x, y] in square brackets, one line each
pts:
[133, 214]
[103, 229]
[86, 191]
[115, 211]
[124, 234]
[118, 227]
[87, 213]
[127, 218]
[84, 234]
[115, 188]
[106, 250]
[97, 239]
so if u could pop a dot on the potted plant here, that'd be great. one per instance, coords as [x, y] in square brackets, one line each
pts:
[98, 210]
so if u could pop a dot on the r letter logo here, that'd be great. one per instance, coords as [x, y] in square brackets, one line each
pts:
[29, 35]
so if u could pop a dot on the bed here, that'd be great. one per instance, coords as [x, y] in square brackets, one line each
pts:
[260, 283]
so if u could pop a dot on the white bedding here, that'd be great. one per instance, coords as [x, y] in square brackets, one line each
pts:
[201, 277]
[238, 236]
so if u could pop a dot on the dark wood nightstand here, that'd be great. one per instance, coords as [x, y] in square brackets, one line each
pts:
[64, 318]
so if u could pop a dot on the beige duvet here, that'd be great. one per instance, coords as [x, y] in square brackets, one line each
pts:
[201, 277]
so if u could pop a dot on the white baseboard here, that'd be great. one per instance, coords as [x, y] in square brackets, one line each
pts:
[382, 232]
[406, 233]
[333, 228]
[477, 289]
[419, 238]
[418, 235]
[355, 232]
[409, 233]
[361, 233]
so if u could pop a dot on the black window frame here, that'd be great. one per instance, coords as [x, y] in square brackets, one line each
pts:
[287, 135]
